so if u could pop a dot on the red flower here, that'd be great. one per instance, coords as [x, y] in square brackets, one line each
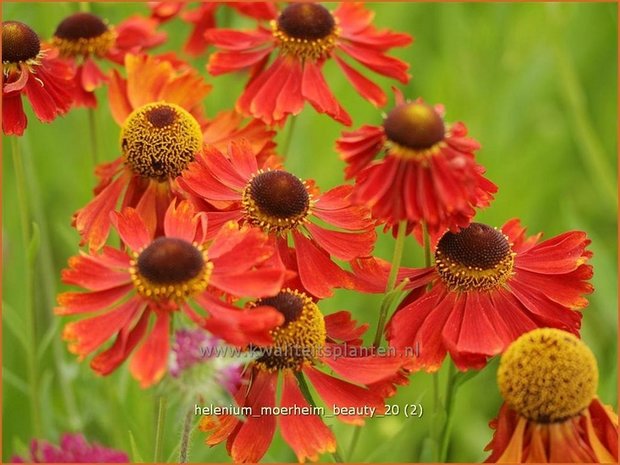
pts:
[489, 286]
[33, 70]
[84, 36]
[203, 18]
[304, 342]
[157, 277]
[429, 173]
[281, 204]
[551, 414]
[170, 93]
[305, 35]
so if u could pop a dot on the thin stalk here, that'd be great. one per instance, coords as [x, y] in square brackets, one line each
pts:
[451, 389]
[92, 129]
[427, 246]
[187, 430]
[396, 259]
[435, 433]
[289, 137]
[24, 217]
[159, 430]
[357, 432]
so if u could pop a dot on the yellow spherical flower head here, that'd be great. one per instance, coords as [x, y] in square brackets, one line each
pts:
[159, 140]
[548, 375]
[551, 414]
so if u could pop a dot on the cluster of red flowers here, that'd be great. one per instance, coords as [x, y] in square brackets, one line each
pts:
[208, 217]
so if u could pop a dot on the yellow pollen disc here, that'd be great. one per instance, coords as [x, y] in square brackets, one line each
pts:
[305, 31]
[299, 339]
[548, 375]
[159, 140]
[477, 258]
[170, 269]
[276, 201]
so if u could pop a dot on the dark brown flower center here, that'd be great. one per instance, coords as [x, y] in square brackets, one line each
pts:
[161, 116]
[478, 257]
[414, 125]
[309, 21]
[478, 245]
[81, 26]
[278, 195]
[170, 261]
[288, 304]
[19, 42]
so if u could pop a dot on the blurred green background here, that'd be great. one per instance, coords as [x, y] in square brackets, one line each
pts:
[536, 84]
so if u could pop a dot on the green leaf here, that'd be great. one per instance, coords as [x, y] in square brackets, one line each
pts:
[135, 453]
[34, 245]
[16, 325]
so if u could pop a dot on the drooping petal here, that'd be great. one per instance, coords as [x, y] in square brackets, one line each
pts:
[364, 369]
[255, 434]
[149, 362]
[342, 394]
[132, 229]
[344, 245]
[87, 335]
[306, 434]
[318, 273]
[317, 92]
[72, 303]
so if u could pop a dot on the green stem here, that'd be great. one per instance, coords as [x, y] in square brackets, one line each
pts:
[187, 430]
[357, 432]
[434, 425]
[92, 129]
[289, 137]
[427, 246]
[396, 259]
[450, 394]
[29, 286]
[46, 275]
[159, 431]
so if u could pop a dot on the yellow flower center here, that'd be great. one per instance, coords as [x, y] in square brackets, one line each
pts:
[477, 258]
[20, 44]
[305, 30]
[83, 34]
[159, 140]
[299, 339]
[171, 269]
[276, 201]
[548, 375]
[414, 130]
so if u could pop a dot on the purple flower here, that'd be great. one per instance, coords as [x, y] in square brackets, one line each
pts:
[73, 449]
[192, 347]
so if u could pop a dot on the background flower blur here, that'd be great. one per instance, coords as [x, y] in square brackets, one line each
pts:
[536, 85]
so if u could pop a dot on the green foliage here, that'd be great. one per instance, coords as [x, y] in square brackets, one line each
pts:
[534, 82]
